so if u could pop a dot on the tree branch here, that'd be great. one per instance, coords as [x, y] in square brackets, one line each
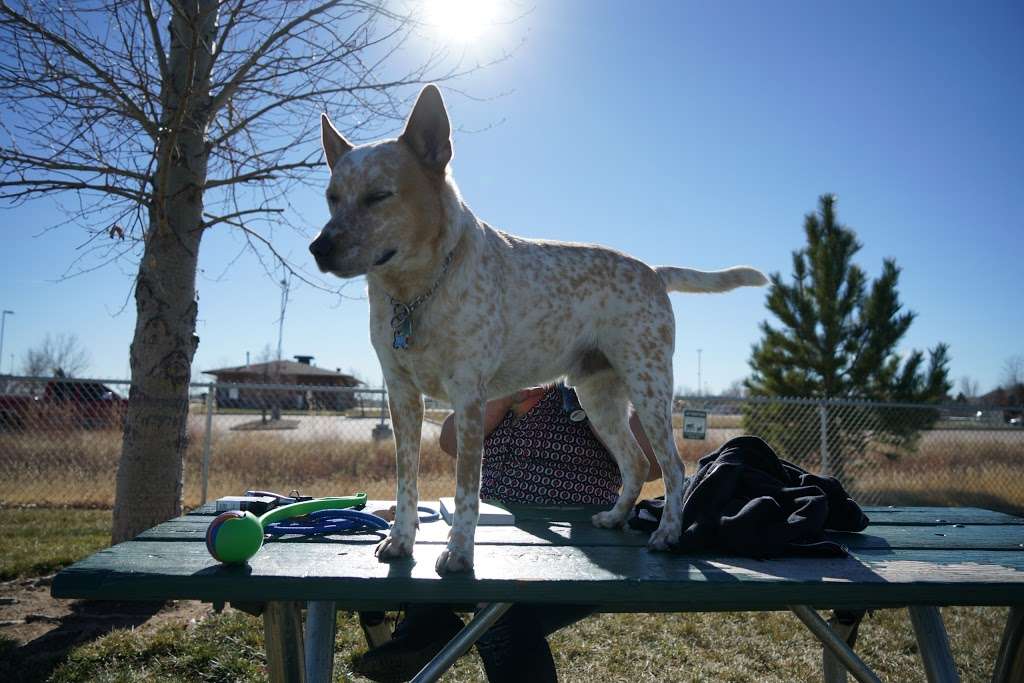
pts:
[232, 86]
[43, 185]
[55, 164]
[158, 45]
[228, 218]
[267, 173]
[132, 110]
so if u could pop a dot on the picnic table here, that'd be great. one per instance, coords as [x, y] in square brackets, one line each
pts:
[909, 557]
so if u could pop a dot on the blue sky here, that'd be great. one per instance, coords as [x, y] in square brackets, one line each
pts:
[686, 134]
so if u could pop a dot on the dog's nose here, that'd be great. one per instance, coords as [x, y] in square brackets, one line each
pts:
[321, 247]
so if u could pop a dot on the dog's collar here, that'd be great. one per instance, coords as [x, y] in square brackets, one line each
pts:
[401, 320]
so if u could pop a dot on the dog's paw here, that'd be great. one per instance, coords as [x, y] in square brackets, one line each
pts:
[608, 519]
[394, 547]
[663, 538]
[453, 560]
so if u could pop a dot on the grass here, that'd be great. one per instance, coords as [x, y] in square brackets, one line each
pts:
[737, 647]
[41, 541]
[228, 647]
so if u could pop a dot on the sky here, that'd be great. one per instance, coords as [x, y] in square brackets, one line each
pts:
[688, 134]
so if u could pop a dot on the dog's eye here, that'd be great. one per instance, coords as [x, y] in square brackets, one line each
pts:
[376, 197]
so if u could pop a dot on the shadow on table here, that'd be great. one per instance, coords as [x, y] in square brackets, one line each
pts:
[624, 552]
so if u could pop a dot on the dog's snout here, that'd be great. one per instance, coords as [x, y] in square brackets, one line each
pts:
[321, 247]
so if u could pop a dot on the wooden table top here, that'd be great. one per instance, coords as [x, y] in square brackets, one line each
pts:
[907, 556]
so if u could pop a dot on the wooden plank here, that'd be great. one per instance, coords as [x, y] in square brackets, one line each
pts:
[938, 515]
[948, 537]
[951, 536]
[350, 574]
[282, 635]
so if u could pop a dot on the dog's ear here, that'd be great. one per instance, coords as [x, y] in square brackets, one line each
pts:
[428, 131]
[335, 145]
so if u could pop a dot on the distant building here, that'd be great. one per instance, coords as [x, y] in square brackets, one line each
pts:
[299, 372]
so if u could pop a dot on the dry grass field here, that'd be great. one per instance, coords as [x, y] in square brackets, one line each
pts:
[76, 468]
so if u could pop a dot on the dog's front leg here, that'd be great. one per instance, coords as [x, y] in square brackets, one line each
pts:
[406, 403]
[469, 425]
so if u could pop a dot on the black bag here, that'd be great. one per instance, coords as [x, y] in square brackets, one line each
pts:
[746, 500]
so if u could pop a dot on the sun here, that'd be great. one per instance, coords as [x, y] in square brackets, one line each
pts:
[460, 20]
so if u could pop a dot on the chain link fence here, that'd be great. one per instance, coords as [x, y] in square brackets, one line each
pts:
[60, 440]
[884, 453]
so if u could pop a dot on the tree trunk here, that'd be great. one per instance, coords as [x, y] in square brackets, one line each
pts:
[150, 474]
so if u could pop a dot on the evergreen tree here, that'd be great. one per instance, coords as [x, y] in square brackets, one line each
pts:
[837, 337]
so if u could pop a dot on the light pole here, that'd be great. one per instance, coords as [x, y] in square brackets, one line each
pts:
[699, 385]
[3, 325]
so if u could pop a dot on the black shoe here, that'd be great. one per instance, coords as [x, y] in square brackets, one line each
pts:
[416, 640]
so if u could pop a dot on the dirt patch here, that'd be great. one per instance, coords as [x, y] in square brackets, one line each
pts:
[38, 630]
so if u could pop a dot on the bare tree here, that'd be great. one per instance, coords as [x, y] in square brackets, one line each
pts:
[60, 354]
[157, 120]
[1013, 379]
[266, 354]
[737, 388]
[969, 387]
[1013, 371]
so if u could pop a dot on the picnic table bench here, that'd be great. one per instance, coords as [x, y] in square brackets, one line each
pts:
[914, 557]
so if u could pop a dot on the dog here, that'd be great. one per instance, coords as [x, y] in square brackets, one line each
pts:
[463, 312]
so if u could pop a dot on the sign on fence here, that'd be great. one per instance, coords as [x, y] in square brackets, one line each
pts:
[695, 424]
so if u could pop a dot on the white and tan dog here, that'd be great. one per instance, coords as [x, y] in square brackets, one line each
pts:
[463, 312]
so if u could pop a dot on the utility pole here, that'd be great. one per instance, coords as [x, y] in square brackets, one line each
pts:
[280, 322]
[3, 325]
[276, 412]
[700, 387]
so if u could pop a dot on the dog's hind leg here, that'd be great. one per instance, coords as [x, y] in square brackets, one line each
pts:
[468, 400]
[606, 401]
[643, 359]
[655, 413]
[406, 404]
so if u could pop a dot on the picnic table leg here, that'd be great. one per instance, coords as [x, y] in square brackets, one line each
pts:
[1010, 663]
[933, 643]
[321, 624]
[462, 641]
[816, 625]
[282, 633]
[845, 624]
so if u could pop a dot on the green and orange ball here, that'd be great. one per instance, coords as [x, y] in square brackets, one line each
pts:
[234, 536]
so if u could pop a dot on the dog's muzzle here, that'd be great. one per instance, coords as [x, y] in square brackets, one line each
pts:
[322, 248]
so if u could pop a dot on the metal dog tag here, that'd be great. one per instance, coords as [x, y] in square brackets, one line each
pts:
[401, 324]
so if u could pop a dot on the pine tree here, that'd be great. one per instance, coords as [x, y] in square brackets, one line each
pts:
[837, 337]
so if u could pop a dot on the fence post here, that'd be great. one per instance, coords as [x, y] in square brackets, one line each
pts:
[382, 431]
[826, 466]
[208, 438]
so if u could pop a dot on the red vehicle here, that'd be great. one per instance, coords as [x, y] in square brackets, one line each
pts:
[64, 403]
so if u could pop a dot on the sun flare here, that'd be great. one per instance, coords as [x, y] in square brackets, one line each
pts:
[461, 20]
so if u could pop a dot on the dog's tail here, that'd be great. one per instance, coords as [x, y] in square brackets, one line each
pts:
[708, 281]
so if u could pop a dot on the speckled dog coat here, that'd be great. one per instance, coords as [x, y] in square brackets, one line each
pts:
[464, 313]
